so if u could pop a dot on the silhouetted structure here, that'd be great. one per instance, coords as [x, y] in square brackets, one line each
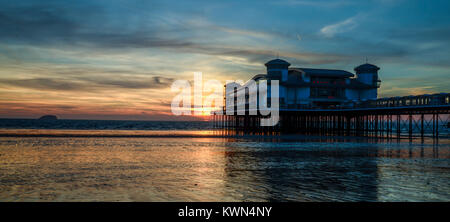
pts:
[321, 101]
[317, 88]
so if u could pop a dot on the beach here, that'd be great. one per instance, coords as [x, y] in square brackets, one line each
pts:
[203, 166]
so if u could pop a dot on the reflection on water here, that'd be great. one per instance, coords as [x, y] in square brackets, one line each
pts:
[221, 169]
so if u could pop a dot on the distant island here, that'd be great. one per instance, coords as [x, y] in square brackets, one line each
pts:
[48, 117]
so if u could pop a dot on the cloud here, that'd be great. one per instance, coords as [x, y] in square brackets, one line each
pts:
[425, 35]
[255, 55]
[56, 25]
[37, 23]
[91, 84]
[340, 27]
[316, 3]
[155, 82]
[52, 24]
[44, 84]
[251, 33]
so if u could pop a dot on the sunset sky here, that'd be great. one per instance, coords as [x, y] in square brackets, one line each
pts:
[108, 59]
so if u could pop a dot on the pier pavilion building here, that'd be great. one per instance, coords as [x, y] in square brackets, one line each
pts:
[313, 88]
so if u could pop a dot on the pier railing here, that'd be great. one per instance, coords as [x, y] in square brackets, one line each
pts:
[420, 100]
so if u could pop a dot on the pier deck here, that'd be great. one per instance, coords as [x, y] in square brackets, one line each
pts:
[411, 116]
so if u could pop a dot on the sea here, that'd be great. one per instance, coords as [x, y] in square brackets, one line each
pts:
[102, 160]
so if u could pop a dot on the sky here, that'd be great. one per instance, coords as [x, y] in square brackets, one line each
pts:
[116, 59]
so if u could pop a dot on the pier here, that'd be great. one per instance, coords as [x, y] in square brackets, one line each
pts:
[408, 116]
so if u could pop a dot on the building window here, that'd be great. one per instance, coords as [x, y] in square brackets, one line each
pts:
[329, 93]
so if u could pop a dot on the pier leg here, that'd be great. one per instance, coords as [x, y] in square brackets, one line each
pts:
[390, 119]
[437, 125]
[410, 126]
[376, 125]
[348, 125]
[421, 125]
[434, 127]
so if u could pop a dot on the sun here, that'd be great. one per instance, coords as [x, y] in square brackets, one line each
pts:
[204, 111]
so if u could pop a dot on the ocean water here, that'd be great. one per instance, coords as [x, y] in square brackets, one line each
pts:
[103, 124]
[198, 164]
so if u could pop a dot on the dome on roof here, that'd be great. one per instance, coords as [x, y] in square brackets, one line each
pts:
[277, 62]
[366, 68]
